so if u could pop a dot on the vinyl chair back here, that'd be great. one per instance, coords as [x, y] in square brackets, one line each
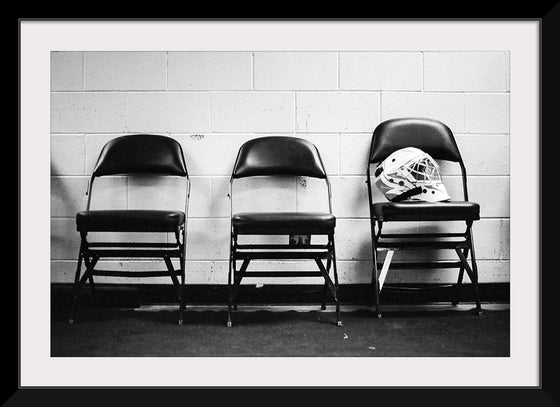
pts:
[140, 154]
[436, 139]
[281, 156]
[278, 156]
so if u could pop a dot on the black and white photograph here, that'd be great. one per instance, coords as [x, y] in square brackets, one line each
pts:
[299, 201]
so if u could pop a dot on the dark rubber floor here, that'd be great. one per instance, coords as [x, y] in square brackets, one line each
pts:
[149, 331]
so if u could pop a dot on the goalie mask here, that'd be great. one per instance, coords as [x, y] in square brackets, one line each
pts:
[410, 174]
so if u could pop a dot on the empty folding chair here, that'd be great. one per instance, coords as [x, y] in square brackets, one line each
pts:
[281, 156]
[139, 154]
[437, 141]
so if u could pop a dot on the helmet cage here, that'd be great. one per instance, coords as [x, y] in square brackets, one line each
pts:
[417, 178]
[423, 170]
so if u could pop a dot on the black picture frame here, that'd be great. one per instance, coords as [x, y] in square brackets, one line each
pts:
[547, 394]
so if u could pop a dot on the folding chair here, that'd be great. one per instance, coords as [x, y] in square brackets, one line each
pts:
[139, 154]
[281, 156]
[436, 139]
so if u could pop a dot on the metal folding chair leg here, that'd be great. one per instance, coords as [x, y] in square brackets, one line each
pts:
[90, 279]
[237, 277]
[460, 278]
[182, 261]
[473, 275]
[183, 291]
[230, 291]
[236, 281]
[78, 282]
[178, 287]
[325, 287]
[333, 286]
[335, 272]
[375, 274]
[92, 287]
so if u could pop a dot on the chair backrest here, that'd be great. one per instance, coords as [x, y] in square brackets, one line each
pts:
[278, 155]
[141, 154]
[431, 136]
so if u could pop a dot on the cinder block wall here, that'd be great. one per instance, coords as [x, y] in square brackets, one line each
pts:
[212, 102]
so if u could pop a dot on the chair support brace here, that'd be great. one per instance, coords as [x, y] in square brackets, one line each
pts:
[247, 256]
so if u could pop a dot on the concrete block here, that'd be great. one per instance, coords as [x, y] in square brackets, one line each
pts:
[353, 239]
[334, 112]
[109, 193]
[349, 196]
[66, 71]
[354, 153]
[264, 194]
[68, 154]
[465, 71]
[209, 71]
[486, 154]
[295, 70]
[252, 112]
[220, 203]
[68, 196]
[88, 112]
[208, 239]
[200, 203]
[491, 193]
[127, 71]
[157, 192]
[446, 107]
[168, 112]
[65, 240]
[487, 113]
[312, 194]
[381, 70]
[329, 149]
[211, 154]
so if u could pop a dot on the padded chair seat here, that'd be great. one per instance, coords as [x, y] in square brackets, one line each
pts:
[129, 221]
[279, 223]
[426, 211]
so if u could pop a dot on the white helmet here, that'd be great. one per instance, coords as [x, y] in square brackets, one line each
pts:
[410, 174]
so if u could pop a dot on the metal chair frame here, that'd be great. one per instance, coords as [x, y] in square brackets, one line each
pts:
[91, 252]
[461, 243]
[309, 251]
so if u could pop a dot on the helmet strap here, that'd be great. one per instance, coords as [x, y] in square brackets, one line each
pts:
[407, 194]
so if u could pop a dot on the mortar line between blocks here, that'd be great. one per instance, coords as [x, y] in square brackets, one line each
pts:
[423, 70]
[210, 100]
[506, 72]
[380, 105]
[83, 71]
[338, 70]
[166, 71]
[295, 112]
[252, 71]
[85, 153]
[339, 168]
[464, 112]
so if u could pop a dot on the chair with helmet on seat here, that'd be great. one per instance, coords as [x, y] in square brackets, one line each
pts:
[404, 152]
[279, 156]
[139, 154]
